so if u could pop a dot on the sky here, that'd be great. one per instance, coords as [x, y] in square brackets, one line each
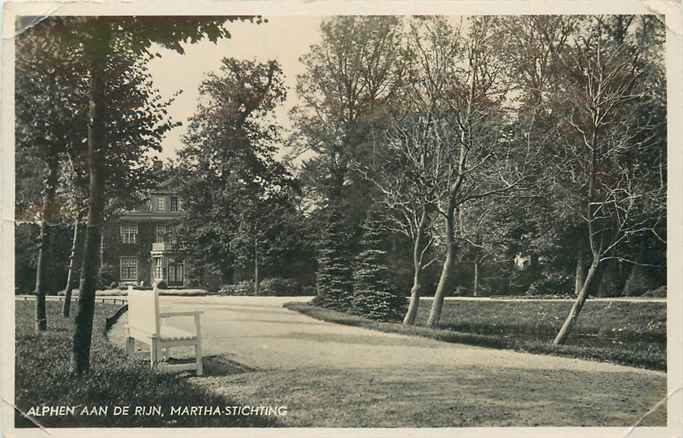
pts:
[282, 38]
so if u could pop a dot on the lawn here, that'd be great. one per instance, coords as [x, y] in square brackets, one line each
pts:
[464, 397]
[620, 332]
[43, 379]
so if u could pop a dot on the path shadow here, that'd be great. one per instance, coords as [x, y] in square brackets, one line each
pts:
[214, 366]
[381, 339]
[280, 321]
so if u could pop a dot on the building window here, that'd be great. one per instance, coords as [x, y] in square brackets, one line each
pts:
[160, 203]
[174, 203]
[129, 233]
[158, 270]
[162, 231]
[176, 273]
[129, 268]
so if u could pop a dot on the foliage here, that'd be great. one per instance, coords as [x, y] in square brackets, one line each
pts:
[552, 283]
[334, 280]
[105, 277]
[280, 287]
[374, 293]
[243, 288]
[240, 202]
[25, 249]
[350, 77]
[268, 287]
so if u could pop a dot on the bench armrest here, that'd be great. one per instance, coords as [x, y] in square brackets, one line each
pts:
[172, 314]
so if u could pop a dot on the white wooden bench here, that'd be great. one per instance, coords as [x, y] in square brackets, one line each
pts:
[145, 326]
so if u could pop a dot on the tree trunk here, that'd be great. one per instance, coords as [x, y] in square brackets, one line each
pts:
[66, 307]
[440, 294]
[580, 275]
[100, 259]
[256, 273]
[562, 335]
[43, 245]
[416, 289]
[475, 285]
[595, 249]
[97, 53]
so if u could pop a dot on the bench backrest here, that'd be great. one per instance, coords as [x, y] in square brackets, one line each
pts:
[143, 312]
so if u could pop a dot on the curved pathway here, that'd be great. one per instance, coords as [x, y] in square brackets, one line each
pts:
[294, 356]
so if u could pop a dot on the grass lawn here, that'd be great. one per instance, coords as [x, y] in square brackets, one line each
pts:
[466, 397]
[43, 379]
[621, 332]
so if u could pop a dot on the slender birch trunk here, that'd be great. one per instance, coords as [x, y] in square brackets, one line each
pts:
[416, 289]
[46, 223]
[580, 275]
[66, 307]
[475, 285]
[440, 294]
[569, 323]
[595, 248]
[256, 270]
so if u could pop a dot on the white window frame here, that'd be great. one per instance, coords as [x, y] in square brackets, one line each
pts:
[129, 233]
[160, 203]
[161, 236]
[126, 263]
[158, 268]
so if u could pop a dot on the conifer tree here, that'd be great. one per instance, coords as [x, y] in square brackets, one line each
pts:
[335, 278]
[375, 296]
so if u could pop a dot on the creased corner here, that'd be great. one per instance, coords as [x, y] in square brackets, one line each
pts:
[27, 416]
[24, 23]
[656, 406]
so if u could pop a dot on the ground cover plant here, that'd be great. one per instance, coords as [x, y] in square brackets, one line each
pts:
[621, 332]
[43, 379]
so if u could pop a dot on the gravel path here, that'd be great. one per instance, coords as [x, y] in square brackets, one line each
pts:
[261, 334]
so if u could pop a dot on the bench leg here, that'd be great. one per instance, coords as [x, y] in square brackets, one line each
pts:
[130, 346]
[154, 352]
[198, 356]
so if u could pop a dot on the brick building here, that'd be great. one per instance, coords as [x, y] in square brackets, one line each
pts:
[140, 246]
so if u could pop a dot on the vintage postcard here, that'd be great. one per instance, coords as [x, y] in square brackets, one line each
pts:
[323, 218]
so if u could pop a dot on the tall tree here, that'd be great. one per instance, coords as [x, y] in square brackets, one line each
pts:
[605, 89]
[48, 101]
[94, 39]
[480, 161]
[349, 78]
[236, 193]
[55, 94]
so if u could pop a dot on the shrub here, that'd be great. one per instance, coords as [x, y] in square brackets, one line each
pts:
[105, 276]
[308, 291]
[271, 287]
[279, 287]
[243, 288]
[551, 283]
[660, 292]
[162, 285]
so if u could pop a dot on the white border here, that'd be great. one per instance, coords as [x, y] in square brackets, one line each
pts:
[674, 20]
